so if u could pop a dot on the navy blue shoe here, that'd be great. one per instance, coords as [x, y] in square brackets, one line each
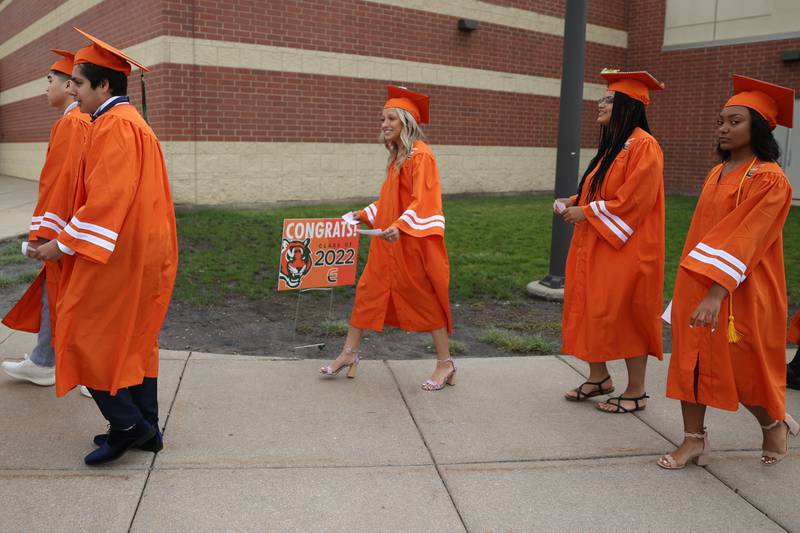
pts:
[119, 442]
[155, 445]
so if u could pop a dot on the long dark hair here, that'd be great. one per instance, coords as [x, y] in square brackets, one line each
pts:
[763, 143]
[626, 115]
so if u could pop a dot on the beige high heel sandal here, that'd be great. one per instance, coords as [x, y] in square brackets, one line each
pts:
[431, 385]
[668, 462]
[769, 458]
[351, 367]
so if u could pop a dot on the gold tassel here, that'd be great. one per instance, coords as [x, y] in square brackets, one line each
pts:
[733, 335]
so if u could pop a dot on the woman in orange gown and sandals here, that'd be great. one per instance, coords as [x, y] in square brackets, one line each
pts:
[615, 267]
[732, 263]
[406, 281]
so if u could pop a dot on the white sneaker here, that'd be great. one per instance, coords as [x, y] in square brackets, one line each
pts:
[27, 370]
[85, 392]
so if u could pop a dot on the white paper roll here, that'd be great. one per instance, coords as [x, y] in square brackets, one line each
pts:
[667, 315]
[25, 248]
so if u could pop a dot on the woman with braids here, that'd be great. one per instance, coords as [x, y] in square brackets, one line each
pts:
[615, 267]
[732, 263]
[407, 277]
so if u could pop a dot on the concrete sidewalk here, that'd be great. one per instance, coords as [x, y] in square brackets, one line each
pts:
[265, 444]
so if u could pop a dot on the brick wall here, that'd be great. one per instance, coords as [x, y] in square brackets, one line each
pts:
[698, 84]
[19, 15]
[261, 106]
[208, 103]
[508, 137]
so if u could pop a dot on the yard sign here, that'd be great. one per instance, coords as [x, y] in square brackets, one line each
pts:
[317, 252]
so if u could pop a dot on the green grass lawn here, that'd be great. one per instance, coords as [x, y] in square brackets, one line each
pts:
[496, 246]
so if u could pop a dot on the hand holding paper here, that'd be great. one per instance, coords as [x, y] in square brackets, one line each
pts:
[391, 234]
[351, 218]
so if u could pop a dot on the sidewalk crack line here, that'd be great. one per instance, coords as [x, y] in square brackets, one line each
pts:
[153, 460]
[427, 447]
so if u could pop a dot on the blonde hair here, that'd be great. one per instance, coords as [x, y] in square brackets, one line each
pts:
[411, 133]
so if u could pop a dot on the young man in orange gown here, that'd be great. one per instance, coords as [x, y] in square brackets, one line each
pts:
[120, 257]
[35, 311]
[732, 263]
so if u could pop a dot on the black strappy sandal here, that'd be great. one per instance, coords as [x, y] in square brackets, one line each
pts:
[619, 407]
[581, 396]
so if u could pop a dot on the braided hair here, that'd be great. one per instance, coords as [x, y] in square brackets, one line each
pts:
[626, 115]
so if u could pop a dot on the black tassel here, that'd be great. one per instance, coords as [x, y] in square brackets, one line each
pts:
[144, 100]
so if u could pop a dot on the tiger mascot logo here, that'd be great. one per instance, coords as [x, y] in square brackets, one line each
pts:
[295, 261]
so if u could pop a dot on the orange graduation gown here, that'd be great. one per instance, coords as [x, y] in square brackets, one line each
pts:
[54, 205]
[794, 329]
[117, 285]
[406, 282]
[741, 249]
[615, 266]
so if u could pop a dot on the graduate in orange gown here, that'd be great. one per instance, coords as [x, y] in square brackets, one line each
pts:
[732, 265]
[35, 311]
[120, 256]
[615, 267]
[406, 281]
[793, 368]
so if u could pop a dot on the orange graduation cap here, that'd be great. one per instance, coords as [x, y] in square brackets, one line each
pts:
[773, 102]
[417, 104]
[103, 54]
[63, 65]
[637, 85]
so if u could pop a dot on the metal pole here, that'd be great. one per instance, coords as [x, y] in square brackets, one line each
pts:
[569, 134]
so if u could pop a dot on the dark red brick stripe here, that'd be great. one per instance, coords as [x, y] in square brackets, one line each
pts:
[31, 120]
[350, 27]
[235, 105]
[22, 13]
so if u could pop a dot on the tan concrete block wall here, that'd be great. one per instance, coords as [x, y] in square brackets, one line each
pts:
[22, 160]
[231, 173]
[250, 173]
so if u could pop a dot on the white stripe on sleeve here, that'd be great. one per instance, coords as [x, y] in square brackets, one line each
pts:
[621, 223]
[610, 225]
[55, 218]
[90, 238]
[419, 220]
[718, 264]
[48, 224]
[433, 224]
[95, 228]
[723, 254]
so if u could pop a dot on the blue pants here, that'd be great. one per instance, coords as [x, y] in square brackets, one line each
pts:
[44, 354]
[130, 405]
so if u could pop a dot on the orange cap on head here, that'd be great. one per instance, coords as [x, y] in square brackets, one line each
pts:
[103, 54]
[63, 65]
[417, 104]
[637, 85]
[773, 102]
